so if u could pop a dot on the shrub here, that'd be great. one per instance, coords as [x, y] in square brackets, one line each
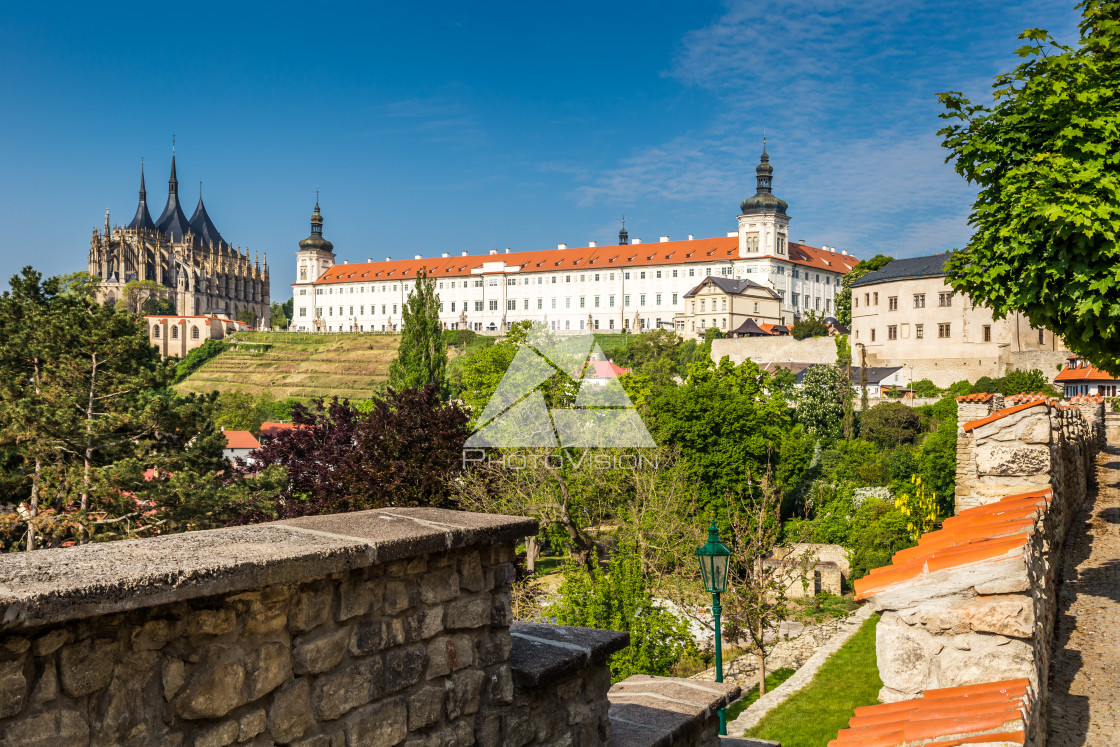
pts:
[959, 389]
[926, 388]
[197, 357]
[1021, 382]
[889, 424]
[809, 326]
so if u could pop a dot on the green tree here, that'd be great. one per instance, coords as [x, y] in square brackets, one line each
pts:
[248, 316]
[620, 599]
[820, 401]
[926, 388]
[889, 424]
[147, 297]
[844, 297]
[157, 307]
[422, 355]
[808, 326]
[237, 410]
[277, 318]
[1044, 155]
[1025, 382]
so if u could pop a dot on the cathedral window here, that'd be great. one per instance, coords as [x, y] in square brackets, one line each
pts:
[155, 331]
[194, 333]
[175, 333]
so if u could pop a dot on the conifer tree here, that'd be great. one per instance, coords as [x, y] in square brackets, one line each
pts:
[422, 355]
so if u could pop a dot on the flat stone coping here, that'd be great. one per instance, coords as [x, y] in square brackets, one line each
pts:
[51, 586]
[660, 711]
[541, 653]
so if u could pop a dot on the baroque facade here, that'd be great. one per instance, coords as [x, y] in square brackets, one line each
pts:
[201, 271]
[628, 286]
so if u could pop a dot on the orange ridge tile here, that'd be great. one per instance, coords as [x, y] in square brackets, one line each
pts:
[1002, 414]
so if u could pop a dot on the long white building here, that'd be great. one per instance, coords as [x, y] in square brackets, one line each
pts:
[628, 286]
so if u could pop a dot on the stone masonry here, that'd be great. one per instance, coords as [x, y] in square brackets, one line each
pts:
[974, 602]
[377, 628]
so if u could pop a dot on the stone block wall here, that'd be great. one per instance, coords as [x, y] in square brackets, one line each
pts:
[375, 628]
[975, 601]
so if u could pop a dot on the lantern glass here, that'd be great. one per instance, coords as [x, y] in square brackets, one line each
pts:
[713, 562]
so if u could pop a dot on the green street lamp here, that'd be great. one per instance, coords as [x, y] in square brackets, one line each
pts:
[713, 567]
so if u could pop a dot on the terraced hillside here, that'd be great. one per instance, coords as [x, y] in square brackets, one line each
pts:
[298, 365]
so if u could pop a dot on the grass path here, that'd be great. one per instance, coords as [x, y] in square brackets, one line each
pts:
[812, 716]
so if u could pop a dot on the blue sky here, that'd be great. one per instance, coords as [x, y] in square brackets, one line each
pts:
[439, 126]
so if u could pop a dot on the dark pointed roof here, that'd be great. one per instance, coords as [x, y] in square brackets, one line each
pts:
[731, 286]
[202, 226]
[316, 241]
[749, 328]
[142, 219]
[764, 200]
[173, 221]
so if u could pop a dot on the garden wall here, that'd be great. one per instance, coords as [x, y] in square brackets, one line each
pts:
[974, 602]
[372, 628]
[775, 349]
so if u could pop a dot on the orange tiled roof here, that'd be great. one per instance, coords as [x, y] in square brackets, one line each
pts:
[241, 440]
[944, 717]
[1086, 399]
[1086, 373]
[583, 258]
[979, 397]
[974, 535]
[271, 429]
[1004, 413]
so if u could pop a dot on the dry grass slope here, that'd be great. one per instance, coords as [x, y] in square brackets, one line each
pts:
[298, 365]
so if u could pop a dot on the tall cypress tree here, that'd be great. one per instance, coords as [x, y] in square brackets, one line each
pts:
[422, 355]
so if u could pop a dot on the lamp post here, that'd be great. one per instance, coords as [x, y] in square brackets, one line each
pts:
[713, 568]
[911, 384]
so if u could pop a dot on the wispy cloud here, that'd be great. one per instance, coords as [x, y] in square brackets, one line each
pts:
[438, 119]
[846, 92]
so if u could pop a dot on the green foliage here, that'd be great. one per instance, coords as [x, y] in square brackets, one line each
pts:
[422, 356]
[808, 326]
[843, 351]
[278, 319]
[712, 333]
[237, 411]
[819, 403]
[157, 307]
[844, 297]
[878, 531]
[813, 715]
[1025, 382]
[889, 424]
[248, 316]
[197, 357]
[919, 506]
[959, 388]
[1044, 156]
[146, 297]
[620, 599]
[926, 388]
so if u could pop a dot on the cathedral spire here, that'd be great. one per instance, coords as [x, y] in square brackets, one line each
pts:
[172, 221]
[201, 225]
[142, 219]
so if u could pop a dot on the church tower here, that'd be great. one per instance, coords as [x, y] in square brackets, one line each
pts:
[316, 254]
[763, 223]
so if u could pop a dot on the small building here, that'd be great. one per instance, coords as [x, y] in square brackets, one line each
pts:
[880, 379]
[807, 569]
[599, 373]
[1081, 377]
[271, 430]
[239, 444]
[178, 335]
[727, 304]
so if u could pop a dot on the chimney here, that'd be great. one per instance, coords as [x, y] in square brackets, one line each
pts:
[369, 259]
[345, 261]
[445, 255]
[561, 246]
[493, 251]
[464, 254]
[664, 239]
[387, 259]
[801, 241]
[845, 252]
[691, 237]
[416, 256]
[732, 233]
[591, 244]
[636, 241]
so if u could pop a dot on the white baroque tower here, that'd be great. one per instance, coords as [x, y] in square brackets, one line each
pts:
[763, 223]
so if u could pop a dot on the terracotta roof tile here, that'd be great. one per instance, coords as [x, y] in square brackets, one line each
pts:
[975, 535]
[1086, 399]
[241, 440]
[1086, 373]
[1002, 414]
[635, 255]
[271, 429]
[978, 397]
[975, 714]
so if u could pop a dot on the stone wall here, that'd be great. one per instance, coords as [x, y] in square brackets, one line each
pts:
[774, 349]
[974, 602]
[376, 628]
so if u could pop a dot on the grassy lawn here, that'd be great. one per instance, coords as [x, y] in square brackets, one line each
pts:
[812, 716]
[773, 679]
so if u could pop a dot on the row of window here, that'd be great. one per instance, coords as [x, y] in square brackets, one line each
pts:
[872, 299]
[175, 332]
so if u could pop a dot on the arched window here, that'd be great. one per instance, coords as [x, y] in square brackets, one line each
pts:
[155, 331]
[175, 332]
[194, 333]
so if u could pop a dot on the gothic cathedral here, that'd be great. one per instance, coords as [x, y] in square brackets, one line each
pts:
[203, 273]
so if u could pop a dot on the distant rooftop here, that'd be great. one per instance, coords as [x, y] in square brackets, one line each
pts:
[907, 269]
